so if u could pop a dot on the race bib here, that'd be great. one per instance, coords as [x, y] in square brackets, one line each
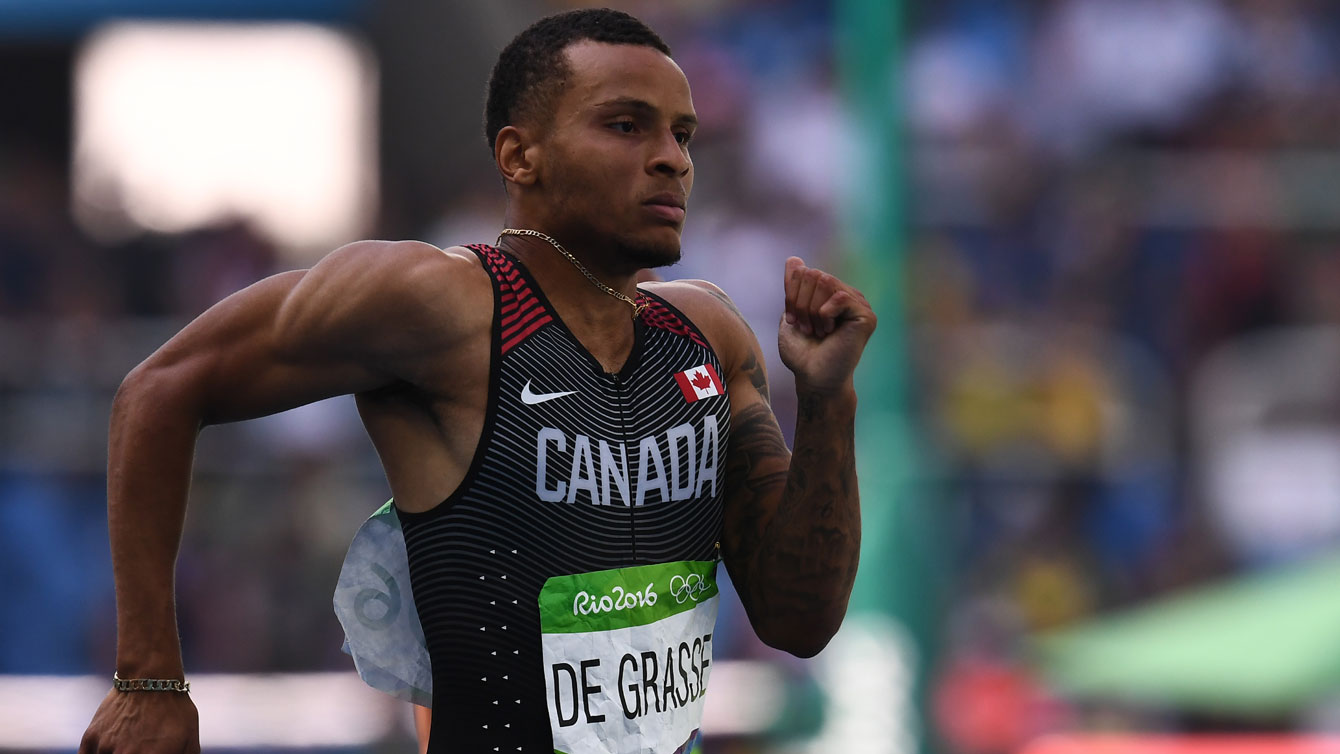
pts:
[627, 654]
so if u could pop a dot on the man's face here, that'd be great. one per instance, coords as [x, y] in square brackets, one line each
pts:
[616, 158]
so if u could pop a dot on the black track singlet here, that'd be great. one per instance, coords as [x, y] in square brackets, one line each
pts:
[563, 587]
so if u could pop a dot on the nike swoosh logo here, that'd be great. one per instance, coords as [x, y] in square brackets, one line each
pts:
[530, 399]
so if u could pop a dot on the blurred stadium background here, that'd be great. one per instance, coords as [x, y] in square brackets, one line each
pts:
[1100, 424]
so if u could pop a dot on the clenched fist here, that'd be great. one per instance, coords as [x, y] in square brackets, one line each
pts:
[824, 329]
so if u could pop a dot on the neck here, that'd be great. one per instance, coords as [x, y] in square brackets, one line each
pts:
[579, 281]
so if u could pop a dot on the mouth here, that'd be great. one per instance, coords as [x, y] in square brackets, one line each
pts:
[667, 206]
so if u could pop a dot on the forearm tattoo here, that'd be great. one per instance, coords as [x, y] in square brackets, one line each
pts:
[792, 534]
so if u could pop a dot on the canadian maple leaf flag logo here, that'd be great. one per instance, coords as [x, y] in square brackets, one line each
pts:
[699, 382]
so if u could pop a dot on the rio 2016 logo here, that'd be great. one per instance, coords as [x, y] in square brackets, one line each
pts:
[586, 604]
[685, 588]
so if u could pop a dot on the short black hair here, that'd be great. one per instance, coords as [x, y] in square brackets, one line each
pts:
[532, 69]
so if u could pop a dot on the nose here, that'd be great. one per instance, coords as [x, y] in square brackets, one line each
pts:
[670, 157]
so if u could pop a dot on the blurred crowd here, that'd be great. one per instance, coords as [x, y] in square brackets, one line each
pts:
[1120, 269]
[1122, 279]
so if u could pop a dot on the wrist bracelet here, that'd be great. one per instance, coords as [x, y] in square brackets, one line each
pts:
[149, 684]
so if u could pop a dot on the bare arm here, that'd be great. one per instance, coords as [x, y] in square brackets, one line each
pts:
[228, 364]
[792, 520]
[423, 724]
[288, 340]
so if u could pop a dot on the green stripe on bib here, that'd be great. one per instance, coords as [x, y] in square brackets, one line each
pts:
[624, 597]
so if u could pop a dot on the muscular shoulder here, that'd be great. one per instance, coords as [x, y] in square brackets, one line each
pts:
[400, 268]
[714, 313]
[405, 294]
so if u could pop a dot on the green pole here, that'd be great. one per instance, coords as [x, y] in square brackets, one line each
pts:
[896, 598]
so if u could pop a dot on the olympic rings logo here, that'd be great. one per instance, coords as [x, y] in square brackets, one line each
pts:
[684, 588]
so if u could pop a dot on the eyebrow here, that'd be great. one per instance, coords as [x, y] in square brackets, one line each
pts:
[632, 103]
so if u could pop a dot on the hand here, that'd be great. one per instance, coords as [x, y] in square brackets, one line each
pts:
[143, 722]
[824, 328]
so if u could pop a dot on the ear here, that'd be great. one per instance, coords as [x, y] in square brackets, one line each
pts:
[516, 156]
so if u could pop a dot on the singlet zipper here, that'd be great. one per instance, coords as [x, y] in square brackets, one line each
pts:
[623, 427]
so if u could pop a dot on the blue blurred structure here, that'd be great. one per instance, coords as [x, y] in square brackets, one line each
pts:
[43, 19]
[57, 584]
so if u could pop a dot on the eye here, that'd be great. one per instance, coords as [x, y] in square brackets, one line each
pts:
[683, 137]
[623, 126]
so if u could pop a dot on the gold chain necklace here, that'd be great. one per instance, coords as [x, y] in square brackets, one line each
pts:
[637, 308]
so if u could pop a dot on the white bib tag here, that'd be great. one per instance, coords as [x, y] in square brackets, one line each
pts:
[627, 657]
